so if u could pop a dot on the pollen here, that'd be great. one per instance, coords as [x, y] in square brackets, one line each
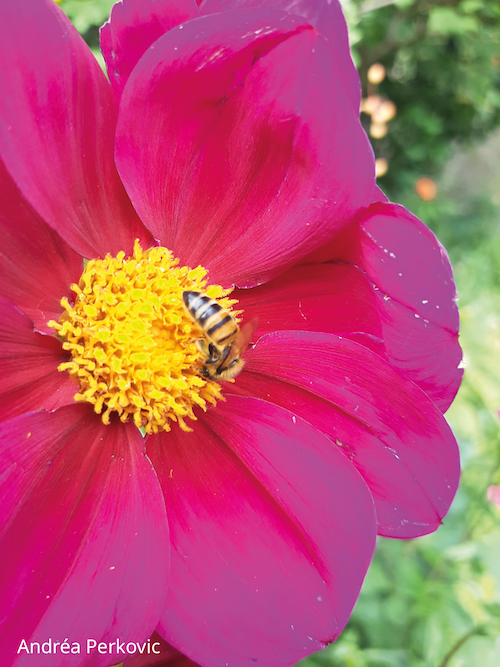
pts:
[132, 344]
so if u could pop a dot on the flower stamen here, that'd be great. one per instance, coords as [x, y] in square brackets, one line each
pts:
[133, 346]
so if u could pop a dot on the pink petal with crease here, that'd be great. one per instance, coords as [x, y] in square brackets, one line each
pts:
[331, 298]
[325, 15]
[36, 265]
[386, 425]
[226, 147]
[403, 258]
[412, 276]
[84, 535]
[57, 122]
[132, 27]
[272, 532]
[28, 367]
[426, 353]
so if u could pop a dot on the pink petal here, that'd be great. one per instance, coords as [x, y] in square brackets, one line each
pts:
[378, 195]
[338, 298]
[245, 172]
[426, 353]
[331, 298]
[398, 440]
[412, 276]
[132, 27]
[36, 265]
[272, 531]
[84, 535]
[57, 121]
[493, 495]
[28, 367]
[164, 655]
[325, 16]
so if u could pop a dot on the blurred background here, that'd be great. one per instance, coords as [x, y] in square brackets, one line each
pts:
[430, 71]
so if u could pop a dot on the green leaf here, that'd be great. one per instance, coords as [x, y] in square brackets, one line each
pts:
[447, 21]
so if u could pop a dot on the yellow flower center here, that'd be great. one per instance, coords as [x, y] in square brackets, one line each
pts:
[132, 342]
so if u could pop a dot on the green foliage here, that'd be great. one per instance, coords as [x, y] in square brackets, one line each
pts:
[443, 73]
[87, 16]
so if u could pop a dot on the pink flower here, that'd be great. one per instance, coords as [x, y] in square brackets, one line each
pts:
[493, 495]
[230, 137]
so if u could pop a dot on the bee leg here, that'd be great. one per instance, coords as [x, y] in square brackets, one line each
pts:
[210, 352]
[225, 353]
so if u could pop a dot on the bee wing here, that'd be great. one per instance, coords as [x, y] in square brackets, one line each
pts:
[242, 341]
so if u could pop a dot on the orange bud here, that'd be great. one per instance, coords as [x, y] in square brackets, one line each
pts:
[376, 73]
[381, 166]
[426, 188]
[385, 112]
[378, 130]
[370, 103]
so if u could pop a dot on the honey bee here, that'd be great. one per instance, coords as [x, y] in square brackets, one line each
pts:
[225, 341]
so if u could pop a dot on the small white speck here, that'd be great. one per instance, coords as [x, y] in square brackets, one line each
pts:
[391, 254]
[319, 598]
[294, 419]
[425, 301]
[437, 307]
[112, 567]
[417, 316]
[400, 275]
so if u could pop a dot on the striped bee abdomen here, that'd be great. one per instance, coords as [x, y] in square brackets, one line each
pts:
[215, 322]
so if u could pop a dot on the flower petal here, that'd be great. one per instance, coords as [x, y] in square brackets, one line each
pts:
[84, 538]
[36, 265]
[398, 440]
[28, 367]
[132, 27]
[235, 153]
[266, 518]
[325, 15]
[426, 353]
[412, 276]
[57, 121]
[331, 298]
[163, 655]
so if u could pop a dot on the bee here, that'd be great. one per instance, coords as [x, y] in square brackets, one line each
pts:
[225, 341]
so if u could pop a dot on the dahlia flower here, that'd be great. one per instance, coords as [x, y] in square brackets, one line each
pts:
[223, 156]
